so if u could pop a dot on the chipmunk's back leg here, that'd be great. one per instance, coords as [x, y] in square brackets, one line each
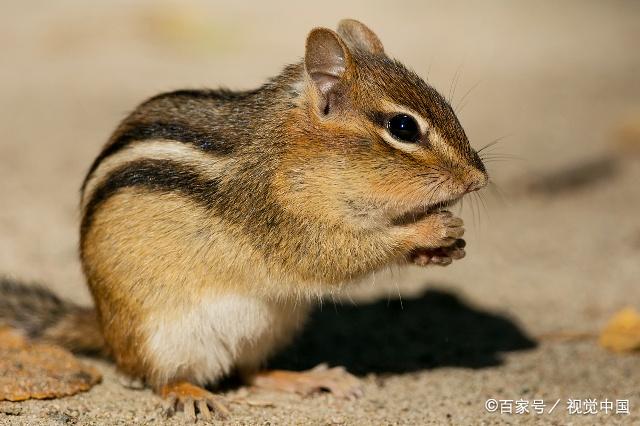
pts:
[209, 339]
[170, 314]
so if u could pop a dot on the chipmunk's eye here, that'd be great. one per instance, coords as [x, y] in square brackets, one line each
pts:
[404, 127]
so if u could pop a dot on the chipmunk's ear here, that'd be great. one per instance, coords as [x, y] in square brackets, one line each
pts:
[359, 36]
[326, 60]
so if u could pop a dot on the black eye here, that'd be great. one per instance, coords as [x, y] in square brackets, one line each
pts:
[404, 127]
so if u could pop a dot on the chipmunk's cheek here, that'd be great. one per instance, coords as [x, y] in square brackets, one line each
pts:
[389, 189]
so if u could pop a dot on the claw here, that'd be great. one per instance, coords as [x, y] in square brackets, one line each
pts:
[443, 261]
[204, 410]
[169, 405]
[457, 254]
[187, 397]
[441, 256]
[218, 407]
[190, 409]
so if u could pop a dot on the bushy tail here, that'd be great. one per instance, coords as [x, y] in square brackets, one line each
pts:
[43, 316]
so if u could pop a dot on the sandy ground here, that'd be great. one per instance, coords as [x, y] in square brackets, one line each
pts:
[549, 260]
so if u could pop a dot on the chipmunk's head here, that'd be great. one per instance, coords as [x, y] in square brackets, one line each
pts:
[389, 139]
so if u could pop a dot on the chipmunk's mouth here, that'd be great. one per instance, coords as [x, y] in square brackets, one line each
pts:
[420, 212]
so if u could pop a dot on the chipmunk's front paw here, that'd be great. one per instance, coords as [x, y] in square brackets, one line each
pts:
[441, 256]
[441, 229]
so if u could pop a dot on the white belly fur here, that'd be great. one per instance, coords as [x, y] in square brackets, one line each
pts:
[210, 339]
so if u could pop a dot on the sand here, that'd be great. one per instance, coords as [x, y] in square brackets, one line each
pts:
[552, 254]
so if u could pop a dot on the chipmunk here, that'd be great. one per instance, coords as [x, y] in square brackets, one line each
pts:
[212, 219]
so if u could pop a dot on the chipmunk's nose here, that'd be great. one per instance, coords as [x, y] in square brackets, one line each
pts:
[478, 181]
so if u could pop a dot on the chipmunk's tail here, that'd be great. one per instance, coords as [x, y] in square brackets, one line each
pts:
[43, 316]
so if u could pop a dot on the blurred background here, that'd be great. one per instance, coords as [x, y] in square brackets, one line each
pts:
[553, 246]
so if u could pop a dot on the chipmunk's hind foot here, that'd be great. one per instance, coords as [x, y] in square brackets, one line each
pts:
[184, 396]
[335, 380]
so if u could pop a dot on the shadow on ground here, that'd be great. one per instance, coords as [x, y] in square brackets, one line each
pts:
[434, 330]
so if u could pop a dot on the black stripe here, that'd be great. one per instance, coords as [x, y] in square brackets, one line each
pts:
[377, 117]
[208, 142]
[161, 176]
[204, 94]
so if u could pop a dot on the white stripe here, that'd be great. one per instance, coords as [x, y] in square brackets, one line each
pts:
[204, 163]
[443, 148]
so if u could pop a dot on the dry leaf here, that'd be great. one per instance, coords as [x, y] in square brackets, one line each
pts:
[622, 333]
[40, 371]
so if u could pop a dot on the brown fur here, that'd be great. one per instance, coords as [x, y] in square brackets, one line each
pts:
[303, 194]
